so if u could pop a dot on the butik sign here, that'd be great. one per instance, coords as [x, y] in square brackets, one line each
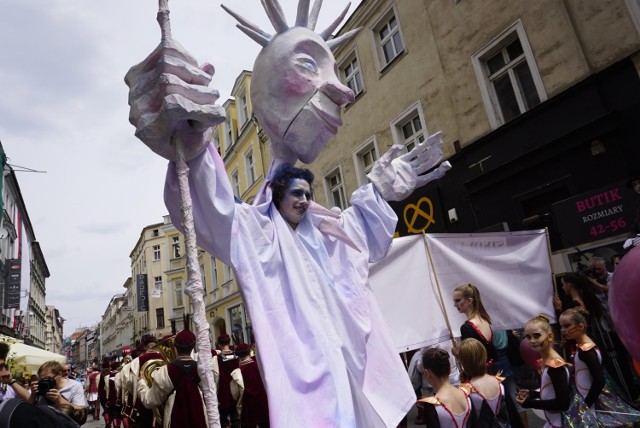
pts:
[12, 284]
[142, 292]
[603, 212]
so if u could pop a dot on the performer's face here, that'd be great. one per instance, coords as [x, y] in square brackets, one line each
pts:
[293, 206]
[569, 328]
[537, 337]
[297, 95]
[462, 304]
[636, 185]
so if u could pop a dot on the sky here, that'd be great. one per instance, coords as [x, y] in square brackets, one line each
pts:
[63, 110]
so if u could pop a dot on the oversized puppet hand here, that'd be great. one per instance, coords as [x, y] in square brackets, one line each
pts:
[397, 177]
[170, 100]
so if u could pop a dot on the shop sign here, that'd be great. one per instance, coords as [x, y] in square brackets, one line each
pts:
[598, 214]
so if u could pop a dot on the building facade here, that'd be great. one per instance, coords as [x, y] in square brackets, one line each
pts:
[23, 266]
[54, 330]
[538, 113]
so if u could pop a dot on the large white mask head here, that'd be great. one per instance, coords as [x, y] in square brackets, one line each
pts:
[295, 92]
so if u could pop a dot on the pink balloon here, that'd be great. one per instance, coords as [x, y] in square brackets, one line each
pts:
[529, 356]
[624, 296]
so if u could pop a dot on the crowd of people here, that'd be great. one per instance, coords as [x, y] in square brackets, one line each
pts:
[476, 382]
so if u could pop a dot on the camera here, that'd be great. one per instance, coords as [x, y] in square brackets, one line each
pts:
[45, 384]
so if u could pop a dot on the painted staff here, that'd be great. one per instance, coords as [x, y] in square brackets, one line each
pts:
[169, 119]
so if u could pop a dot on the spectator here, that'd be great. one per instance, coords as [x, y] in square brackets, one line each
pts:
[51, 388]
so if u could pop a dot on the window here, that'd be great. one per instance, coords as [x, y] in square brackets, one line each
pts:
[235, 184]
[363, 158]
[157, 284]
[388, 38]
[214, 272]
[228, 135]
[243, 109]
[412, 132]
[250, 167]
[160, 317]
[156, 233]
[226, 273]
[215, 139]
[203, 278]
[509, 80]
[156, 252]
[178, 294]
[634, 10]
[409, 128]
[236, 321]
[335, 188]
[175, 247]
[351, 73]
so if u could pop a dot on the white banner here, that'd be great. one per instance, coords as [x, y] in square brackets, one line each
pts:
[512, 270]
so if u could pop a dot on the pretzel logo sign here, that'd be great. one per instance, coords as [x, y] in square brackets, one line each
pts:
[418, 215]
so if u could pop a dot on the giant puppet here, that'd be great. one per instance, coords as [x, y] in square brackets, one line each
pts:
[325, 353]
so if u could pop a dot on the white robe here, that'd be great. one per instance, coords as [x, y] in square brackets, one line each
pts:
[325, 349]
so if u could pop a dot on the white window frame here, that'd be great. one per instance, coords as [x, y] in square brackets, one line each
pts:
[250, 167]
[203, 278]
[346, 78]
[226, 273]
[371, 144]
[214, 272]
[489, 97]
[243, 109]
[175, 247]
[235, 183]
[329, 189]
[407, 115]
[157, 283]
[228, 134]
[178, 293]
[384, 19]
[156, 252]
[215, 139]
[634, 11]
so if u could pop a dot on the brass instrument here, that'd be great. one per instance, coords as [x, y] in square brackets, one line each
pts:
[169, 354]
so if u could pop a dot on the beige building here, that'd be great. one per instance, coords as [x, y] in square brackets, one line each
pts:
[151, 297]
[53, 330]
[114, 336]
[537, 101]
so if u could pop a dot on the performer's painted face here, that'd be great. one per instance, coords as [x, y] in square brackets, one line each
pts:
[461, 303]
[569, 328]
[537, 337]
[293, 206]
[297, 95]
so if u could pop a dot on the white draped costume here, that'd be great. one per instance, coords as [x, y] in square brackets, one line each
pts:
[325, 353]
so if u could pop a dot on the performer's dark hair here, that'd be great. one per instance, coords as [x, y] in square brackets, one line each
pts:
[282, 178]
[437, 361]
[4, 350]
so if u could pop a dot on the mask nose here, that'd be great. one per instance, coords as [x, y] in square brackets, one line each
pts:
[337, 92]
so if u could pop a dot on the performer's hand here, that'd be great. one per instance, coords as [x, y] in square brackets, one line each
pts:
[170, 99]
[521, 396]
[397, 177]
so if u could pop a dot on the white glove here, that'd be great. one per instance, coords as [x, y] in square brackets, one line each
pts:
[631, 242]
[397, 177]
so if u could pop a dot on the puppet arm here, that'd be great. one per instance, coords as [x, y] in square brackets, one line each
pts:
[397, 177]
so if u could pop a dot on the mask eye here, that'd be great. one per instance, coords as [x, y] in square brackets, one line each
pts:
[307, 63]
